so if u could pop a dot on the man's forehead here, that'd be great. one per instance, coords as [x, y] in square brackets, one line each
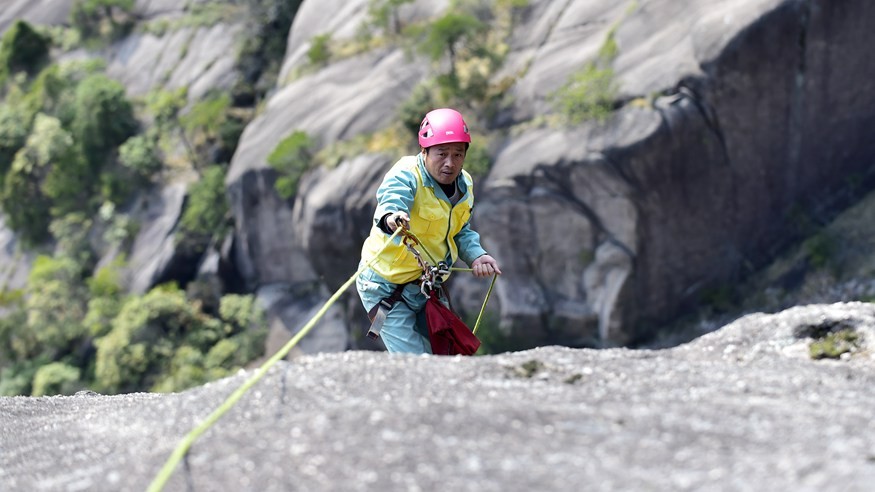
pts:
[450, 146]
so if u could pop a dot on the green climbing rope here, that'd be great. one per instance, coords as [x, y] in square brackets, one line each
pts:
[488, 293]
[483, 308]
[185, 444]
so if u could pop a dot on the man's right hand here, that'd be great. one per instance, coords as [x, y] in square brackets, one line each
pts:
[397, 218]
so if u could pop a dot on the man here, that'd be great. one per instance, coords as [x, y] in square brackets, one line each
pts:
[429, 195]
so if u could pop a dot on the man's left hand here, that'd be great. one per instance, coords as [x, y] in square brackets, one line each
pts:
[485, 266]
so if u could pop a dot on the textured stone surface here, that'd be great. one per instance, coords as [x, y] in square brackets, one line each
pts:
[727, 119]
[36, 12]
[14, 261]
[742, 408]
[154, 247]
[715, 174]
[200, 59]
[737, 123]
[342, 19]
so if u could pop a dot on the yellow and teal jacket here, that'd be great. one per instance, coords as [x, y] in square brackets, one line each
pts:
[443, 229]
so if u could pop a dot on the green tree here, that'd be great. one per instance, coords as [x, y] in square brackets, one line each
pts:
[446, 35]
[17, 378]
[106, 298]
[14, 128]
[383, 15]
[203, 126]
[24, 204]
[166, 108]
[15, 341]
[46, 178]
[55, 302]
[104, 118]
[43, 327]
[67, 179]
[139, 154]
[243, 327]
[588, 95]
[184, 370]
[72, 120]
[47, 92]
[53, 90]
[144, 338]
[477, 161]
[56, 378]
[320, 49]
[71, 232]
[22, 49]
[206, 212]
[96, 18]
[422, 99]
[163, 342]
[292, 157]
[207, 116]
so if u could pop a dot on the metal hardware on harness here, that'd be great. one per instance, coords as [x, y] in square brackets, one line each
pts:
[431, 279]
[432, 276]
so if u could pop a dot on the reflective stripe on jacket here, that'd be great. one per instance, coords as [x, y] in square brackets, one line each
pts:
[443, 229]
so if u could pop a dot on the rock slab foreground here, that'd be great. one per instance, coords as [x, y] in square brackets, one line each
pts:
[742, 408]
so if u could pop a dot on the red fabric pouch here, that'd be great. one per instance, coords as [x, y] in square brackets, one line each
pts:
[448, 334]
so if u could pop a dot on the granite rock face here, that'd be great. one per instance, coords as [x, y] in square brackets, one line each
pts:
[735, 122]
[35, 12]
[741, 408]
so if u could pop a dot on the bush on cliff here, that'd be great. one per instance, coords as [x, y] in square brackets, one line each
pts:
[163, 342]
[206, 214]
[101, 18]
[66, 333]
[291, 158]
[22, 49]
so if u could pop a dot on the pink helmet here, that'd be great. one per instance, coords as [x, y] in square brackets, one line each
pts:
[441, 126]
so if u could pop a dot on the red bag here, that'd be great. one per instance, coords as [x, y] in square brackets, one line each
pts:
[449, 335]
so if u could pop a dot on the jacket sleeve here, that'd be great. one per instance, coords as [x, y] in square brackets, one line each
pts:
[396, 192]
[468, 241]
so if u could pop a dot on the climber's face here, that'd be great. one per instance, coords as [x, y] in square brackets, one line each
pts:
[444, 161]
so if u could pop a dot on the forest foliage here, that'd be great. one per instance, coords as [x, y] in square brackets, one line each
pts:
[74, 152]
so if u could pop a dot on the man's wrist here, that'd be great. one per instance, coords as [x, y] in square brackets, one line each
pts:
[382, 223]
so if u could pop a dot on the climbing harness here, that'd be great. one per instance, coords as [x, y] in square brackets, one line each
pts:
[378, 313]
[433, 275]
[188, 440]
[448, 334]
